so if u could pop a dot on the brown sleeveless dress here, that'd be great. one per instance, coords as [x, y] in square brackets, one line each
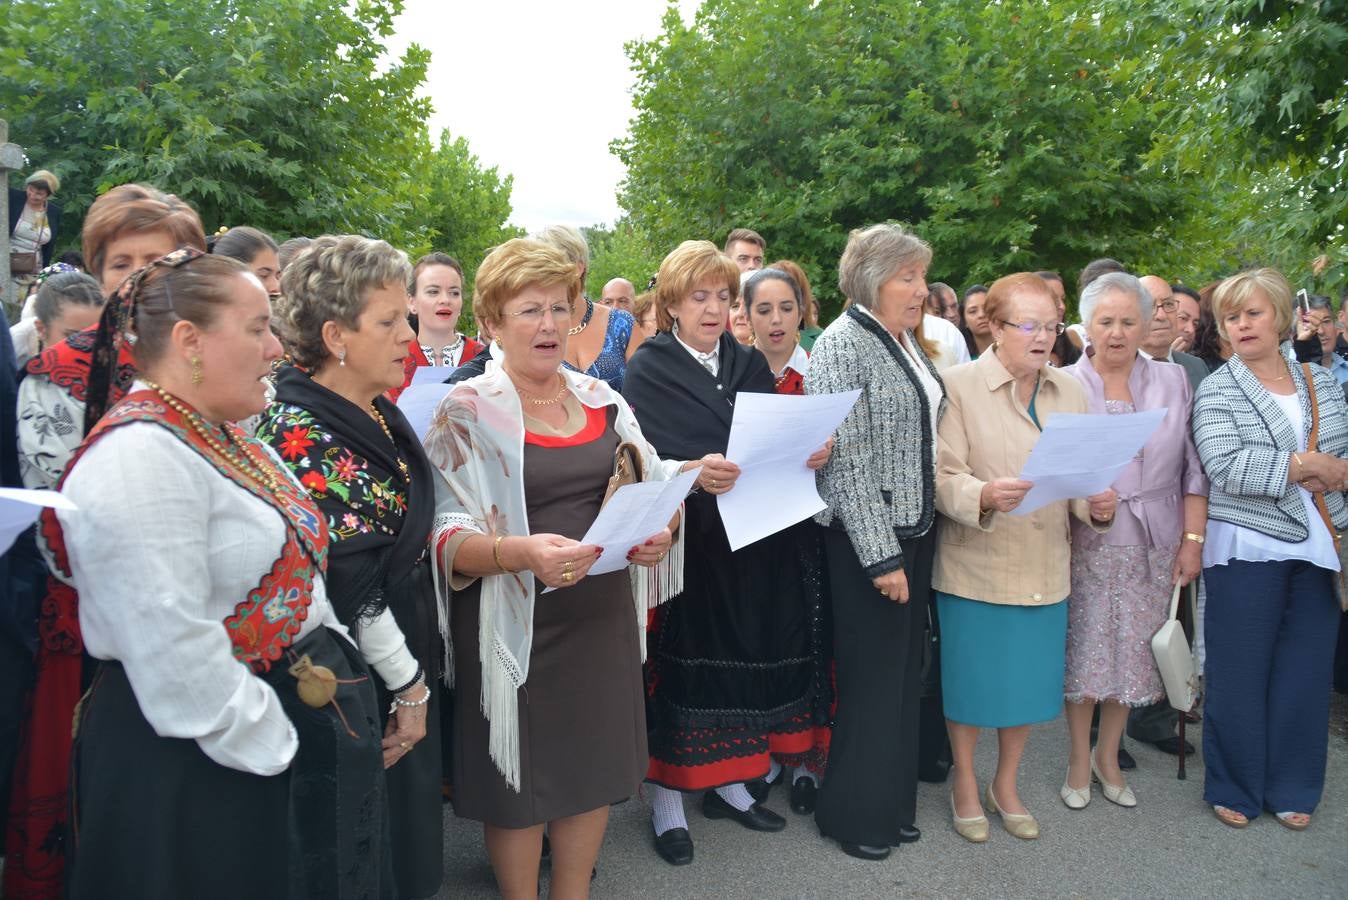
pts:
[582, 710]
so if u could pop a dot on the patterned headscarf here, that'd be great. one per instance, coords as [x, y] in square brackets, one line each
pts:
[109, 377]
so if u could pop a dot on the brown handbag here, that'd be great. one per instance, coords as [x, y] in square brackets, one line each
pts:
[22, 263]
[627, 469]
[1340, 586]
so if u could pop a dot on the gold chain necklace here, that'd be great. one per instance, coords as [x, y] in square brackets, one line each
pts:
[239, 455]
[402, 464]
[585, 320]
[537, 402]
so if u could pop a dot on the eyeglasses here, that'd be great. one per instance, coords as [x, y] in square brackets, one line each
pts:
[1168, 305]
[1030, 329]
[532, 315]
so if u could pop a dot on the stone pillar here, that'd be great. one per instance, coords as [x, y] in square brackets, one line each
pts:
[11, 158]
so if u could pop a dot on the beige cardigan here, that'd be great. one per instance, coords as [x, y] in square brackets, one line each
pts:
[986, 433]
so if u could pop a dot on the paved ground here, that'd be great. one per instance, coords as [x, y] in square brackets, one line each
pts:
[1169, 846]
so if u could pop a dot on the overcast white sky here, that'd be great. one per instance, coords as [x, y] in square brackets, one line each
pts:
[539, 89]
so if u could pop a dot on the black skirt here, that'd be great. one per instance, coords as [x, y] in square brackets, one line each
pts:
[154, 817]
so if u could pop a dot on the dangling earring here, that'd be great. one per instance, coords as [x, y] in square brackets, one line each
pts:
[341, 357]
[196, 372]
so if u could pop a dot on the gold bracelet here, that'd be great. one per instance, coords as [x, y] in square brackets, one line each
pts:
[1301, 467]
[1196, 538]
[496, 553]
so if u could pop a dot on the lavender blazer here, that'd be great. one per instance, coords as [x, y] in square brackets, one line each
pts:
[1152, 489]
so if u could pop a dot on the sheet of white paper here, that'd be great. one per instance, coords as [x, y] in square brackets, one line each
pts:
[771, 437]
[430, 375]
[20, 508]
[418, 403]
[1080, 454]
[633, 514]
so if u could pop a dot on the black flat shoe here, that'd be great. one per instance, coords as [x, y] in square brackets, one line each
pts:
[675, 847]
[909, 834]
[755, 818]
[1126, 761]
[760, 789]
[865, 851]
[1171, 745]
[802, 796]
[936, 773]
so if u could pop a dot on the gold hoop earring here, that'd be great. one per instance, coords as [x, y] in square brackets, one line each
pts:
[197, 377]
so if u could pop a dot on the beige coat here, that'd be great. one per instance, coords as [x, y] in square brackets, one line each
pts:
[987, 434]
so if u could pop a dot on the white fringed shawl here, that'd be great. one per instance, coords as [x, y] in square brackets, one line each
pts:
[476, 442]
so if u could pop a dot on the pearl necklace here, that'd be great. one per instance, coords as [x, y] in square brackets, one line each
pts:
[241, 456]
[402, 464]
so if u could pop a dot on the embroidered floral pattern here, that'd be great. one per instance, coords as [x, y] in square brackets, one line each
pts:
[332, 471]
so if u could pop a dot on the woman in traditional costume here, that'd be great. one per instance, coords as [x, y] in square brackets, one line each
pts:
[737, 665]
[125, 229]
[342, 316]
[435, 305]
[228, 700]
[549, 725]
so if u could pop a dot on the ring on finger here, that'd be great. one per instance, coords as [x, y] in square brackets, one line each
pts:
[715, 484]
[568, 567]
[566, 576]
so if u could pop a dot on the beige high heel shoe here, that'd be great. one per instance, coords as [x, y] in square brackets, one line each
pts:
[1075, 798]
[1121, 796]
[1022, 825]
[974, 830]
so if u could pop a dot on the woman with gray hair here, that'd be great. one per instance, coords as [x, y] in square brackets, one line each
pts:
[342, 316]
[600, 343]
[1122, 578]
[880, 489]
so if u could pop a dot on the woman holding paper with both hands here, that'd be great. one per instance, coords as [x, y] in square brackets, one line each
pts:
[738, 663]
[549, 726]
[1001, 580]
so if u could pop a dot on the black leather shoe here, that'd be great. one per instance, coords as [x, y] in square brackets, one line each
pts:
[1171, 745]
[802, 796]
[909, 834]
[755, 818]
[1126, 761]
[865, 851]
[759, 789]
[675, 847]
[936, 773]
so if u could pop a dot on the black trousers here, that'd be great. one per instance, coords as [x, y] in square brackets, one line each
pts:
[870, 787]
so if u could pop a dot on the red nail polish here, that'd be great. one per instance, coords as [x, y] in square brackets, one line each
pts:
[648, 543]
[598, 551]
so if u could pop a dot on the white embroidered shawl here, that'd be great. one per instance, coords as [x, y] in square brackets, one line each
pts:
[476, 443]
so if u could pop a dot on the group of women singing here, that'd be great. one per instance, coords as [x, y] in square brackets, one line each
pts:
[295, 621]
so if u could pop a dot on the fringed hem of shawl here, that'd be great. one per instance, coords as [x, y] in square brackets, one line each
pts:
[657, 584]
[501, 681]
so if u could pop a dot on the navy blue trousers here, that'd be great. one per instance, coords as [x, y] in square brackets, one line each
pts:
[1270, 631]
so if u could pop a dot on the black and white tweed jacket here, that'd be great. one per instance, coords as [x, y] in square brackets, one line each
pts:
[1246, 445]
[880, 482]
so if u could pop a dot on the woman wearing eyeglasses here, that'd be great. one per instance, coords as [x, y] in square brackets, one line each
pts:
[1001, 580]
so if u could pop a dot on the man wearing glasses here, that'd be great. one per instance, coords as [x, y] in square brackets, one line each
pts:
[1164, 329]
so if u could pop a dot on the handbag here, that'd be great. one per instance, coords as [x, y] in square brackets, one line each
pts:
[22, 263]
[627, 469]
[1340, 586]
[1175, 659]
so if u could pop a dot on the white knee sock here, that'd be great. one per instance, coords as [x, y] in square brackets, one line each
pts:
[801, 772]
[774, 771]
[736, 795]
[666, 809]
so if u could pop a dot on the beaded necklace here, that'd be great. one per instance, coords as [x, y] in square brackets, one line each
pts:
[241, 456]
[402, 464]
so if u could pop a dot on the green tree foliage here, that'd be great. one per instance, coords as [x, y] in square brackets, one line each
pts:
[1255, 94]
[1004, 133]
[271, 113]
[469, 205]
[622, 251]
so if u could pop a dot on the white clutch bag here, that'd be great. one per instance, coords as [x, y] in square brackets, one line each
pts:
[1175, 659]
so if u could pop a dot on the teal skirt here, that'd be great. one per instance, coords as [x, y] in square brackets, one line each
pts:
[1001, 665]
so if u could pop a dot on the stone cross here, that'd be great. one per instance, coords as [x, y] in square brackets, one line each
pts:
[11, 158]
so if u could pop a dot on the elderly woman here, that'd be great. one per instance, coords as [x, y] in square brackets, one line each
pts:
[1001, 581]
[226, 684]
[643, 310]
[125, 229]
[1272, 436]
[738, 664]
[1122, 579]
[877, 540]
[342, 317]
[549, 727]
[739, 315]
[601, 341]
